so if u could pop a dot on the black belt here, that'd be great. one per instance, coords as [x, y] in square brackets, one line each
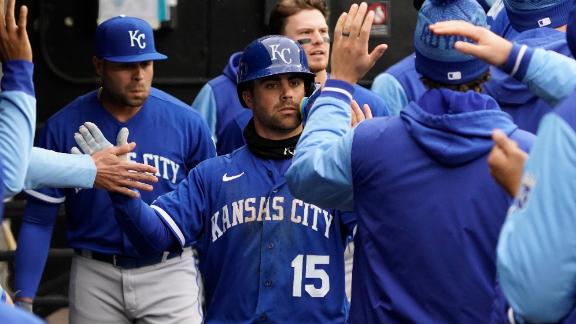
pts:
[126, 262]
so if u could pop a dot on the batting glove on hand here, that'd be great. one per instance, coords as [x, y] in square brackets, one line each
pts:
[91, 140]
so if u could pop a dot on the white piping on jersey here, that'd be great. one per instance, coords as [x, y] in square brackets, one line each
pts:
[342, 91]
[171, 223]
[518, 60]
[46, 198]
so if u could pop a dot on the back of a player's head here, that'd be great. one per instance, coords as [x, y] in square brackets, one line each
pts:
[530, 14]
[125, 39]
[269, 56]
[287, 8]
[436, 57]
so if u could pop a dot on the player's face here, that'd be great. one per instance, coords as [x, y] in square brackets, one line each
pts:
[275, 104]
[127, 84]
[310, 24]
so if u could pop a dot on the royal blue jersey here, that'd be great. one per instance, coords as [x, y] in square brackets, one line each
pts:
[264, 255]
[169, 135]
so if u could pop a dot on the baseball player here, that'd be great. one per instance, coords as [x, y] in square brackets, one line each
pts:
[534, 250]
[303, 21]
[425, 245]
[264, 255]
[110, 281]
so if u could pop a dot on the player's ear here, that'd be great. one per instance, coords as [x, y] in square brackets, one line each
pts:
[248, 98]
[98, 65]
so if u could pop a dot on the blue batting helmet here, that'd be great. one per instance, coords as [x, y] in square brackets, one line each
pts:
[272, 55]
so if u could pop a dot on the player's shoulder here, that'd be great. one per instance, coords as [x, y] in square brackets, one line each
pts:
[171, 105]
[75, 108]
[405, 65]
[376, 103]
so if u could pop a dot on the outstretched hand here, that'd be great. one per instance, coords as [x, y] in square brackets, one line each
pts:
[14, 42]
[114, 172]
[489, 47]
[350, 57]
[118, 175]
[506, 162]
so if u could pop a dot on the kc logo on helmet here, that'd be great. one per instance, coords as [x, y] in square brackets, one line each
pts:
[138, 38]
[280, 53]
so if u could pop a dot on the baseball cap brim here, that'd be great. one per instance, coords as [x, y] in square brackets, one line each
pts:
[136, 58]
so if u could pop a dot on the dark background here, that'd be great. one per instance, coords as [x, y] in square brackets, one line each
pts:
[204, 34]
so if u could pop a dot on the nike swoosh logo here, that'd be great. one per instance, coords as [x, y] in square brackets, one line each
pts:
[227, 178]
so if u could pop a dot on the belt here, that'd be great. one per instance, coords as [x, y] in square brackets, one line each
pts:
[126, 262]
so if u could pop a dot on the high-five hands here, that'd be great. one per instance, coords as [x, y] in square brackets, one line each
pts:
[115, 172]
[14, 42]
[350, 57]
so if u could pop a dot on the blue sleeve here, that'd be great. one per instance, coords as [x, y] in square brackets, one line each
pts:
[205, 103]
[13, 315]
[59, 170]
[175, 218]
[536, 254]
[391, 91]
[33, 245]
[183, 210]
[142, 225]
[547, 74]
[321, 171]
[18, 111]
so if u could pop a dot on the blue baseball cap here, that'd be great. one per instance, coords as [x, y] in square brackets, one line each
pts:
[126, 39]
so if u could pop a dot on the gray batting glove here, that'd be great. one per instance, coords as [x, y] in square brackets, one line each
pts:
[91, 140]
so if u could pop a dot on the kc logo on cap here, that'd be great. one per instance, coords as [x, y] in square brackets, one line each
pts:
[125, 39]
[136, 37]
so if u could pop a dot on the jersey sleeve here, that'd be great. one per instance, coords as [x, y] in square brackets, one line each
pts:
[321, 171]
[205, 104]
[59, 170]
[182, 210]
[391, 91]
[33, 245]
[48, 140]
[536, 254]
[18, 110]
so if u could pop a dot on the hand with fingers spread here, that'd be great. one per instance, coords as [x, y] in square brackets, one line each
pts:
[350, 57]
[359, 115]
[488, 46]
[114, 172]
[506, 162]
[116, 175]
[14, 42]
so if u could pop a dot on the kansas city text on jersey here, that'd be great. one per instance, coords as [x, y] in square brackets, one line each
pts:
[270, 209]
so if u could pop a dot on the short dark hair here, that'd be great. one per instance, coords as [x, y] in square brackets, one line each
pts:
[474, 85]
[287, 8]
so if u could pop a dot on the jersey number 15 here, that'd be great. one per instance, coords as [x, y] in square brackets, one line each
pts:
[312, 261]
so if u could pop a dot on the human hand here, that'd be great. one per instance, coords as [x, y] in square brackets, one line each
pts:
[506, 162]
[14, 42]
[350, 57]
[358, 115]
[115, 174]
[489, 47]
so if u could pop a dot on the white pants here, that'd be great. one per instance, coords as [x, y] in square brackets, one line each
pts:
[167, 292]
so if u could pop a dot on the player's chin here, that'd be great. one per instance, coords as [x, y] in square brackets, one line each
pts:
[318, 64]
